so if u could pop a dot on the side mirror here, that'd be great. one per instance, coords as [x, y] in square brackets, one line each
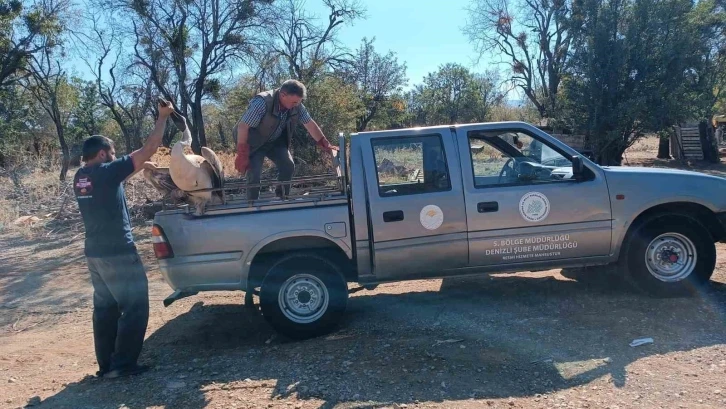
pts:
[578, 169]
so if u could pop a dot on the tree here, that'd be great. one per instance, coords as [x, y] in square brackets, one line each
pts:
[307, 49]
[17, 118]
[120, 86]
[378, 78]
[453, 95]
[533, 39]
[88, 115]
[334, 106]
[634, 66]
[186, 46]
[25, 29]
[708, 17]
[235, 101]
[49, 85]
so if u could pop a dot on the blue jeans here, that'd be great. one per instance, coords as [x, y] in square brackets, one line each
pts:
[120, 309]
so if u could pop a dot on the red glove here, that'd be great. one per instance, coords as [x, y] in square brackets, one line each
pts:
[242, 162]
[325, 145]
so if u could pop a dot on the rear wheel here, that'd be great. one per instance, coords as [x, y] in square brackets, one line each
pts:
[303, 295]
[670, 254]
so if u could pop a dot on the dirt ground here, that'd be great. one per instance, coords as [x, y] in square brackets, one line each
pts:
[551, 339]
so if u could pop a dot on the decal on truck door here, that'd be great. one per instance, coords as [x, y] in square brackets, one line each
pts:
[534, 207]
[431, 217]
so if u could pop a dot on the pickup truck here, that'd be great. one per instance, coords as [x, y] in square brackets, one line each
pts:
[437, 202]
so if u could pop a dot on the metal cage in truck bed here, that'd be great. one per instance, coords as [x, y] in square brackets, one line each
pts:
[304, 191]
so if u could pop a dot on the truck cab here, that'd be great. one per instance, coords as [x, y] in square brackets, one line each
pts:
[483, 198]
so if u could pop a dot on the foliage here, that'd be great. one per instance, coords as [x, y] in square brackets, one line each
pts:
[17, 119]
[453, 95]
[26, 27]
[634, 67]
[308, 50]
[532, 38]
[334, 106]
[185, 47]
[379, 80]
[611, 69]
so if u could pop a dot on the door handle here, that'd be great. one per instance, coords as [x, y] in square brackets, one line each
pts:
[393, 216]
[486, 207]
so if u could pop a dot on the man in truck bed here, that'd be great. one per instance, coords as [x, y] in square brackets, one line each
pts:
[120, 288]
[267, 129]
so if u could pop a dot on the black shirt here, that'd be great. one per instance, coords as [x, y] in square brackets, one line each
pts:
[101, 198]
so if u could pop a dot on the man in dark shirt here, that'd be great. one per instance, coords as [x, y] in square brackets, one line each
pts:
[120, 287]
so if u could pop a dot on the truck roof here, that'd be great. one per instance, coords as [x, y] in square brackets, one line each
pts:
[500, 124]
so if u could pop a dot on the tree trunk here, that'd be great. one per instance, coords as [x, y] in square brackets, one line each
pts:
[198, 120]
[664, 148]
[136, 140]
[222, 137]
[708, 144]
[169, 133]
[611, 155]
[66, 152]
[127, 140]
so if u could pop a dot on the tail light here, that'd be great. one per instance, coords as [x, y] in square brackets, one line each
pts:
[162, 248]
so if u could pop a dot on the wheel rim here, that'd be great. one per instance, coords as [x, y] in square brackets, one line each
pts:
[303, 298]
[671, 257]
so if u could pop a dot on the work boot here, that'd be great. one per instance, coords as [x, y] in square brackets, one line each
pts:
[122, 372]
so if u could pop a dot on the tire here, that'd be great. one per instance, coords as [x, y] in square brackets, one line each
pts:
[669, 254]
[317, 285]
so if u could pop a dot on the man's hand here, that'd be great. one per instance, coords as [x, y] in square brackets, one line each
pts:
[153, 142]
[317, 135]
[165, 108]
[242, 162]
[148, 165]
[324, 144]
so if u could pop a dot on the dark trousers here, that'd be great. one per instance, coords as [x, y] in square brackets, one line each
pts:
[120, 309]
[279, 155]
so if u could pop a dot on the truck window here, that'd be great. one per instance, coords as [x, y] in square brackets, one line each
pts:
[410, 165]
[503, 158]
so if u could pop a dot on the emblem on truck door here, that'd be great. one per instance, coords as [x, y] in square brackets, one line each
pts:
[431, 217]
[534, 207]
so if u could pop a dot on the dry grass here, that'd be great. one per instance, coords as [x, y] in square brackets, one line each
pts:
[32, 190]
[644, 148]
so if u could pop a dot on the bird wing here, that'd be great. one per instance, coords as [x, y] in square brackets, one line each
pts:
[216, 165]
[161, 179]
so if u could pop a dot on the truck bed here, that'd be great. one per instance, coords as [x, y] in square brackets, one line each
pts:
[305, 191]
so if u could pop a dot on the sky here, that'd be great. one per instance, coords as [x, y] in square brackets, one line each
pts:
[423, 34]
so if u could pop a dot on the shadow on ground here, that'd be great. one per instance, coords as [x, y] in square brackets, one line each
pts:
[504, 336]
[37, 273]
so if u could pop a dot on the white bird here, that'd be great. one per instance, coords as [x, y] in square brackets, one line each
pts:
[189, 173]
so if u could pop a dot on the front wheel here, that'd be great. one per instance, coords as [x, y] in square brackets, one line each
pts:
[303, 295]
[670, 255]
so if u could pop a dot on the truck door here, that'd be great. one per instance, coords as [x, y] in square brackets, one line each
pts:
[522, 204]
[416, 203]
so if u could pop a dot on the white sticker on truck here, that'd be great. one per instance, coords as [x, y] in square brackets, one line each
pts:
[431, 217]
[534, 207]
